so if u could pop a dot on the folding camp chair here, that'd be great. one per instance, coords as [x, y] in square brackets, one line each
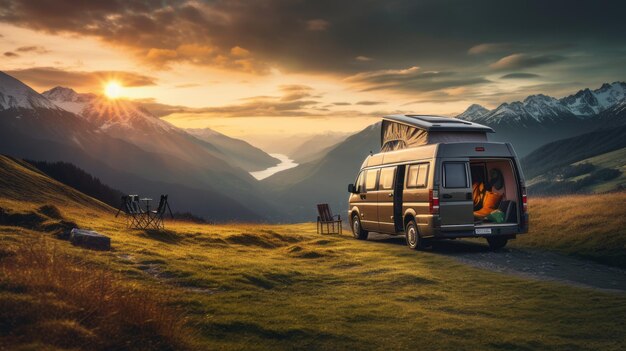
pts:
[135, 216]
[156, 217]
[325, 217]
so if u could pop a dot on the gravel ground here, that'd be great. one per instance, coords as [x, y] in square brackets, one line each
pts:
[527, 263]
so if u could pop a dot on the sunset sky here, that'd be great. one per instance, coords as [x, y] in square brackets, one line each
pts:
[273, 66]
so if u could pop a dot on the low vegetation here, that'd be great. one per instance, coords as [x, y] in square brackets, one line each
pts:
[588, 226]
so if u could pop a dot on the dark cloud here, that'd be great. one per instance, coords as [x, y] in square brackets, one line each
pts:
[342, 103]
[412, 79]
[48, 77]
[317, 24]
[520, 61]
[323, 35]
[520, 75]
[10, 54]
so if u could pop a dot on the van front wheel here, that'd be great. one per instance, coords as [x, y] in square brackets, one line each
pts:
[412, 236]
[357, 230]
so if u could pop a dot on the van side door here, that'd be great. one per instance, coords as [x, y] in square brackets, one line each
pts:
[386, 200]
[368, 204]
[456, 208]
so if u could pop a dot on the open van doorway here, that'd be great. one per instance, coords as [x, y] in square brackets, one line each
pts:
[495, 192]
[398, 191]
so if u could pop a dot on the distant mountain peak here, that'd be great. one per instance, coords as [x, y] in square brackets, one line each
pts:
[15, 94]
[473, 111]
[585, 103]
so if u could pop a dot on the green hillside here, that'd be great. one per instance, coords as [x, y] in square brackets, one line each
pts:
[591, 163]
[259, 287]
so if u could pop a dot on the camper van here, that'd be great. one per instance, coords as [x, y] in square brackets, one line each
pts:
[439, 178]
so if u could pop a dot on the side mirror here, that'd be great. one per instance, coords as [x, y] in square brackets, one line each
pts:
[352, 189]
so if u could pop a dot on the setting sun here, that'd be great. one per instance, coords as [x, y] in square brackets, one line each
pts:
[113, 90]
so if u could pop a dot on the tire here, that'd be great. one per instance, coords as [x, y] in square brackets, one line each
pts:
[412, 236]
[497, 243]
[357, 230]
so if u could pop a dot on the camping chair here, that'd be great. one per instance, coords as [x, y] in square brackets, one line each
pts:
[325, 217]
[157, 216]
[134, 214]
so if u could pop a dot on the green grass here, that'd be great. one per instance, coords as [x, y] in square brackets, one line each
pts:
[248, 287]
[614, 159]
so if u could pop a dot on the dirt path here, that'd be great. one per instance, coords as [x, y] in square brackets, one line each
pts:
[529, 263]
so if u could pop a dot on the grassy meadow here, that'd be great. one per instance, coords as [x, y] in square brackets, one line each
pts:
[257, 286]
[587, 226]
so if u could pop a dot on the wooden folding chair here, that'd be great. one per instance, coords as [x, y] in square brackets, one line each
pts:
[325, 217]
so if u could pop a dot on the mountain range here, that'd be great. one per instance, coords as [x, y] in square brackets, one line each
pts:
[540, 119]
[207, 173]
[129, 149]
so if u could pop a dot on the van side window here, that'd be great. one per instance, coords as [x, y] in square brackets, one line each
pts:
[417, 176]
[386, 178]
[371, 179]
[455, 175]
[360, 182]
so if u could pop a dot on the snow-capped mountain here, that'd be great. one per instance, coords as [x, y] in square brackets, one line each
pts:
[15, 94]
[541, 108]
[474, 111]
[587, 102]
[115, 115]
[128, 120]
[540, 119]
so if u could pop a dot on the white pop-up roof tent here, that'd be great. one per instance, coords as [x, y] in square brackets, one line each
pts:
[406, 131]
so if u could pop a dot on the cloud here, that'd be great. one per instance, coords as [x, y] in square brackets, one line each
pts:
[369, 103]
[295, 100]
[317, 25]
[363, 58]
[36, 49]
[187, 85]
[47, 77]
[520, 75]
[342, 103]
[520, 61]
[486, 48]
[411, 79]
[10, 54]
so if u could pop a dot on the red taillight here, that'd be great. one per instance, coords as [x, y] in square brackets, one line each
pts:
[524, 200]
[433, 201]
[480, 148]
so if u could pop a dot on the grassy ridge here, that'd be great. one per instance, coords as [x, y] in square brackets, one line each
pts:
[284, 287]
[245, 286]
[589, 226]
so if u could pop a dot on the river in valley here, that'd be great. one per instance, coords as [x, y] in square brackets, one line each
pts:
[285, 163]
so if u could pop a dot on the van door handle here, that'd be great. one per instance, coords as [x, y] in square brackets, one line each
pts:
[390, 194]
[447, 196]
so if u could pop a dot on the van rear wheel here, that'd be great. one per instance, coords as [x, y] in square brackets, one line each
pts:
[357, 230]
[497, 243]
[412, 236]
